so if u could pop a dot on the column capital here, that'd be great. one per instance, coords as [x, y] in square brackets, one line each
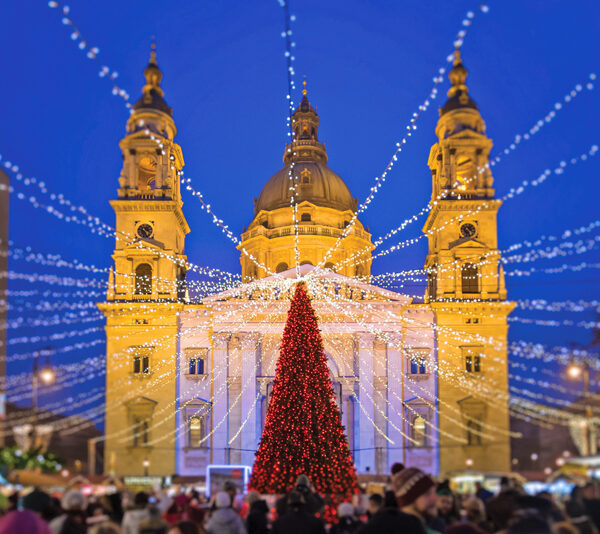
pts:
[365, 340]
[250, 340]
[221, 339]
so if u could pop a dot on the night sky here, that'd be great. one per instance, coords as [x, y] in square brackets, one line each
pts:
[368, 65]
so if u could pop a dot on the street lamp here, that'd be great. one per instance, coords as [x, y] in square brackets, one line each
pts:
[146, 465]
[46, 376]
[575, 371]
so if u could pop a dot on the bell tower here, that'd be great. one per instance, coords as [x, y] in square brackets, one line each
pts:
[466, 287]
[146, 290]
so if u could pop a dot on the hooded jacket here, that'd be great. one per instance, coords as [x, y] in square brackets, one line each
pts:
[225, 521]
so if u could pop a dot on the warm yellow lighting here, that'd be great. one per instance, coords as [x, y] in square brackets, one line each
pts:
[574, 371]
[560, 462]
[469, 462]
[47, 375]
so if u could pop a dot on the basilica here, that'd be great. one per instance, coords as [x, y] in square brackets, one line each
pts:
[188, 383]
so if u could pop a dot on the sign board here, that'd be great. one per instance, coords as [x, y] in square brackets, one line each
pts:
[217, 475]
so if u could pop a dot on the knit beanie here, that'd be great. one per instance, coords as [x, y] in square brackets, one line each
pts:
[222, 500]
[409, 484]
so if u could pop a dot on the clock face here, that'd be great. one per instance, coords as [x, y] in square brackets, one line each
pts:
[468, 230]
[145, 230]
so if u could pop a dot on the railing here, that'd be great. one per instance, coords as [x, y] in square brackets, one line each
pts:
[302, 230]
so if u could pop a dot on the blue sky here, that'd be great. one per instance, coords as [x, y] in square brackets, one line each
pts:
[369, 65]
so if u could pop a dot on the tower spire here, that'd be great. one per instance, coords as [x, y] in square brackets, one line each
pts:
[458, 75]
[153, 75]
[458, 94]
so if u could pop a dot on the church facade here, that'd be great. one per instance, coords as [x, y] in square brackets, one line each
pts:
[423, 383]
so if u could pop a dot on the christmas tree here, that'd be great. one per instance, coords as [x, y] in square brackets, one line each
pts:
[303, 431]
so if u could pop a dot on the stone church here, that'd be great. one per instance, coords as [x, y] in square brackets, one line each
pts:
[424, 383]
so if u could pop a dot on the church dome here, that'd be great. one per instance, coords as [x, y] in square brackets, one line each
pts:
[316, 183]
[306, 158]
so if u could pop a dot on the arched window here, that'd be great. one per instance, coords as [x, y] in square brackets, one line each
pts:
[470, 278]
[147, 174]
[419, 432]
[281, 267]
[305, 217]
[330, 266]
[305, 263]
[473, 432]
[143, 279]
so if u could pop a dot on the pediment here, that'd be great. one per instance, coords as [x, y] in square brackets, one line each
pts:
[144, 244]
[141, 402]
[332, 282]
[472, 242]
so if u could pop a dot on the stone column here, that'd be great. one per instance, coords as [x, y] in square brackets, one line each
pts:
[251, 431]
[366, 431]
[396, 369]
[220, 398]
[348, 385]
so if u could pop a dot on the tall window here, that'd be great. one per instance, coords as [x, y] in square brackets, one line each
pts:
[473, 432]
[141, 364]
[417, 366]
[470, 278]
[432, 282]
[195, 430]
[419, 432]
[473, 363]
[143, 279]
[196, 366]
[140, 430]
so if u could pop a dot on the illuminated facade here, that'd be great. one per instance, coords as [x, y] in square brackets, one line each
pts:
[188, 384]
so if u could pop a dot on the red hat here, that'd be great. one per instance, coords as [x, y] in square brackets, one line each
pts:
[409, 484]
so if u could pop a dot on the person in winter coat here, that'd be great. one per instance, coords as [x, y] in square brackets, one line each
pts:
[154, 524]
[392, 521]
[23, 522]
[297, 520]
[313, 502]
[73, 521]
[257, 521]
[225, 520]
[347, 523]
[133, 518]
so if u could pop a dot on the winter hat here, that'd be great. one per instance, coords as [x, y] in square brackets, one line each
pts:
[397, 467]
[23, 521]
[222, 500]
[73, 500]
[302, 480]
[409, 484]
[345, 510]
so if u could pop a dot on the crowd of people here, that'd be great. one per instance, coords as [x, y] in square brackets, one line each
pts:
[412, 503]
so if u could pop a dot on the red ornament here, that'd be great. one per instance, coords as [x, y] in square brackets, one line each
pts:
[303, 431]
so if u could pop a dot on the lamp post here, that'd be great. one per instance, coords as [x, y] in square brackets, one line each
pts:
[575, 371]
[46, 376]
[146, 466]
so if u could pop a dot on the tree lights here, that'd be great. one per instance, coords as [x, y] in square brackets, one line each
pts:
[303, 433]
